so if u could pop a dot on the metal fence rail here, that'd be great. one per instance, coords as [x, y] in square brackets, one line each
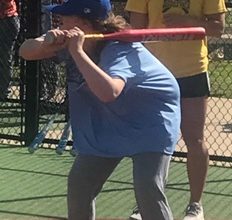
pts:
[38, 90]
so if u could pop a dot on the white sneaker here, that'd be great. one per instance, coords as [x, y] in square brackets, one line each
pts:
[194, 211]
[135, 215]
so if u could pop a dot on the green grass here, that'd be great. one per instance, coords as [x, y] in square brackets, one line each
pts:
[221, 78]
[229, 17]
[34, 187]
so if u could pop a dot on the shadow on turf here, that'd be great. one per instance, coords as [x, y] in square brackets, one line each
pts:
[32, 198]
[44, 217]
[7, 146]
[34, 172]
[179, 187]
[35, 216]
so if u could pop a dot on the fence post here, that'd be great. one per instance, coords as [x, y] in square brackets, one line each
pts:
[33, 13]
[228, 33]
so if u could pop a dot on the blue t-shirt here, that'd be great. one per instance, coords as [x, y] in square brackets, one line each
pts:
[144, 118]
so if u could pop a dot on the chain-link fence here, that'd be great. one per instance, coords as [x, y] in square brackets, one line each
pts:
[36, 100]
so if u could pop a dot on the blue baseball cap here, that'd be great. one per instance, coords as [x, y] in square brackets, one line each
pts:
[90, 9]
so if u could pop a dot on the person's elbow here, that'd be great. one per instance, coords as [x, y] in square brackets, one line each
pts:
[111, 93]
[25, 54]
[216, 25]
[216, 31]
[220, 30]
[110, 97]
[26, 50]
[31, 49]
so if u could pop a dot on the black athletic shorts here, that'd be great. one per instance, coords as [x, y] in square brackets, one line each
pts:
[194, 86]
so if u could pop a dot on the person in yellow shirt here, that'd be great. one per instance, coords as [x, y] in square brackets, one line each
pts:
[188, 61]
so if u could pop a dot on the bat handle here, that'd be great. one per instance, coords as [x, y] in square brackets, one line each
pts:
[50, 37]
[94, 36]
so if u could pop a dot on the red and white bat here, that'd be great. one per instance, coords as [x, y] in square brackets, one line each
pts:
[145, 35]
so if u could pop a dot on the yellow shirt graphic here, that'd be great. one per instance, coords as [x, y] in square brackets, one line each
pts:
[183, 58]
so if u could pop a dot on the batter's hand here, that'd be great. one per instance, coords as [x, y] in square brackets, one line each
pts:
[60, 37]
[76, 40]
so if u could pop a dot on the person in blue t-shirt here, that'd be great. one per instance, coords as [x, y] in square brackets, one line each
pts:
[123, 103]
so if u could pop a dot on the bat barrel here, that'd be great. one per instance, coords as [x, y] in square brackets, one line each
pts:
[162, 34]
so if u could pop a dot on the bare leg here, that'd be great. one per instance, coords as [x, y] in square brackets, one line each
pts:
[192, 127]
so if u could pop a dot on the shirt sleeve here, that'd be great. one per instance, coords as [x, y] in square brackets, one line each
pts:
[140, 6]
[118, 60]
[214, 7]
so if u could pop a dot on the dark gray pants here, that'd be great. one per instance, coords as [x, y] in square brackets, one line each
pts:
[9, 29]
[89, 173]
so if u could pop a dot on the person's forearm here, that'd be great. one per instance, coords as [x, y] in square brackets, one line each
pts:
[214, 28]
[30, 49]
[35, 49]
[101, 84]
[213, 24]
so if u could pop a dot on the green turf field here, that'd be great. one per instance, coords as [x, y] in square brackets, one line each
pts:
[220, 79]
[33, 186]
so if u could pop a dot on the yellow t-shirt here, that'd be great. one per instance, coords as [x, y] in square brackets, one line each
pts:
[183, 58]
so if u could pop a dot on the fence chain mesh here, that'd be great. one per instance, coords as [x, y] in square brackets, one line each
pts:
[53, 96]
